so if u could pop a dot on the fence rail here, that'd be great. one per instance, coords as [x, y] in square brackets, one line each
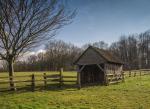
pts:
[33, 79]
[134, 73]
[60, 79]
[114, 79]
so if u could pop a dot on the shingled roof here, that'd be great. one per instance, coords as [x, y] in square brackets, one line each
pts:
[110, 57]
[107, 55]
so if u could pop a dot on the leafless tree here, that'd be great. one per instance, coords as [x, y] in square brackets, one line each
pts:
[60, 54]
[99, 44]
[134, 50]
[25, 24]
[57, 54]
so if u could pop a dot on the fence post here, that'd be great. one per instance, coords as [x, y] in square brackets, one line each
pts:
[116, 76]
[122, 76]
[78, 80]
[134, 73]
[140, 73]
[61, 77]
[129, 73]
[45, 80]
[33, 82]
[13, 85]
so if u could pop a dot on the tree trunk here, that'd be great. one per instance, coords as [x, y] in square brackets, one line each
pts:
[11, 74]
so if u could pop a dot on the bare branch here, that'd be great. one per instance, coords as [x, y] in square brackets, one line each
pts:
[24, 24]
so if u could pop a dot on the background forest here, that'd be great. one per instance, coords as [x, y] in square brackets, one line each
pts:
[133, 50]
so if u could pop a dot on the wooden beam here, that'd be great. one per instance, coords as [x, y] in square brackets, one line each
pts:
[81, 68]
[79, 76]
[105, 76]
[100, 67]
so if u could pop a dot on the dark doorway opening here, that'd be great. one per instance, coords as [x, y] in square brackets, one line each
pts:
[92, 74]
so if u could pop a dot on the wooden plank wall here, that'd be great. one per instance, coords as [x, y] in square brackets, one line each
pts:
[114, 73]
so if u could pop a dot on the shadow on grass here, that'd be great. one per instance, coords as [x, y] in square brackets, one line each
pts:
[49, 87]
[41, 88]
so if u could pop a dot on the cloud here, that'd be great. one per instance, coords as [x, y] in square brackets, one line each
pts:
[27, 54]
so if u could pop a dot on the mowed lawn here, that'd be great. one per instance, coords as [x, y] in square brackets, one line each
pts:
[134, 93]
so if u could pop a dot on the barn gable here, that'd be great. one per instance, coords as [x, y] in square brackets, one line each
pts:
[89, 56]
[93, 55]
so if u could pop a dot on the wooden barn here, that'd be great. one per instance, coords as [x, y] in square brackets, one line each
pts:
[98, 66]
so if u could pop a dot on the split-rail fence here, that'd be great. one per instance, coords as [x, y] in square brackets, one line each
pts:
[32, 80]
[60, 79]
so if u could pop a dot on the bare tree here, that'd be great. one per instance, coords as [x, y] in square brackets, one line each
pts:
[99, 44]
[134, 50]
[61, 54]
[25, 24]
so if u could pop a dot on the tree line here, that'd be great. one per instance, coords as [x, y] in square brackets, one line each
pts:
[57, 54]
[133, 50]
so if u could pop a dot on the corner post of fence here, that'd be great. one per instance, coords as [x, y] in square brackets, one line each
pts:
[78, 78]
[45, 80]
[33, 82]
[61, 77]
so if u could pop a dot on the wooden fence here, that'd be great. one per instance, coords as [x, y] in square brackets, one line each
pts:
[114, 79]
[61, 79]
[56, 78]
[134, 73]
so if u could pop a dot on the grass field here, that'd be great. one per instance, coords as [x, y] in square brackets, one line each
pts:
[134, 93]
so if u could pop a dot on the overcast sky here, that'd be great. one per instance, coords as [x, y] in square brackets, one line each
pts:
[105, 20]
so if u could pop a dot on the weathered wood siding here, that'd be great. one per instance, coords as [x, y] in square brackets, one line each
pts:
[113, 71]
[90, 57]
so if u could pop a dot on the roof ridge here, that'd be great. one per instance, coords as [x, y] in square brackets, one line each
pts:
[95, 48]
[107, 55]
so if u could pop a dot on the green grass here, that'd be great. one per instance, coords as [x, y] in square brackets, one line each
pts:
[134, 93]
